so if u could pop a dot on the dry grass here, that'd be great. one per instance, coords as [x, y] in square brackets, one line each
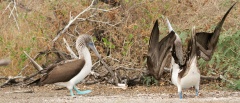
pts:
[39, 21]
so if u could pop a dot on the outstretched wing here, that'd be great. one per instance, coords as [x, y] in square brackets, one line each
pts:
[158, 51]
[153, 38]
[206, 42]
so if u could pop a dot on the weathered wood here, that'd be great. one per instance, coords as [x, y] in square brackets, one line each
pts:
[115, 77]
[12, 80]
[35, 64]
[5, 62]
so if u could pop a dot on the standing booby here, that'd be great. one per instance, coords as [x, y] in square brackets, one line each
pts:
[207, 42]
[187, 74]
[158, 51]
[71, 73]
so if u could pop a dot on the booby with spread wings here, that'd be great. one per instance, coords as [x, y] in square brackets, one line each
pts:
[185, 72]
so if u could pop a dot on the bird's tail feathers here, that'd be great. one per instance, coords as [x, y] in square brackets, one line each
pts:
[35, 82]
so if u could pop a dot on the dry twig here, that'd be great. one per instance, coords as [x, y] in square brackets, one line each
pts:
[24, 91]
[114, 76]
[11, 79]
[13, 9]
[35, 64]
[72, 20]
[73, 55]
[90, 7]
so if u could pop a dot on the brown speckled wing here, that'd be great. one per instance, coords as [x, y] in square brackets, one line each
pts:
[63, 73]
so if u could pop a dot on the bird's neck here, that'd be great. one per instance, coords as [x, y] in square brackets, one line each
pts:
[85, 54]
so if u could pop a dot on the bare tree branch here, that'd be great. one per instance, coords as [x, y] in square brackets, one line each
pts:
[114, 76]
[35, 64]
[11, 79]
[71, 21]
[73, 55]
[14, 8]
[24, 91]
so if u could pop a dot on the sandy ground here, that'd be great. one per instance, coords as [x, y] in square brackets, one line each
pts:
[108, 94]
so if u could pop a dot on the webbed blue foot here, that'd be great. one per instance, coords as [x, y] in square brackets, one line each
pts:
[81, 92]
[180, 94]
[196, 92]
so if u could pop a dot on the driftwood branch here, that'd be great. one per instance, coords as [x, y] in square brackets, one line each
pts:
[35, 64]
[2, 77]
[111, 72]
[11, 79]
[35, 57]
[31, 76]
[210, 78]
[24, 91]
[5, 62]
[127, 68]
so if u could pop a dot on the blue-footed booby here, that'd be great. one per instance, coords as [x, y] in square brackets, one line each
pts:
[71, 73]
[185, 72]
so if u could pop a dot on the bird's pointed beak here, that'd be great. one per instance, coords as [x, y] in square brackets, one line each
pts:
[92, 46]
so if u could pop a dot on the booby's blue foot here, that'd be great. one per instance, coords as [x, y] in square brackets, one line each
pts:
[180, 95]
[71, 93]
[81, 92]
[196, 92]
